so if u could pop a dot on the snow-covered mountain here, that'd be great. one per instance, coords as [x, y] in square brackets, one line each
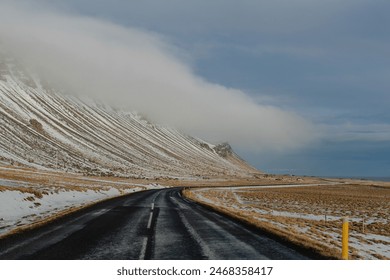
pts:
[43, 128]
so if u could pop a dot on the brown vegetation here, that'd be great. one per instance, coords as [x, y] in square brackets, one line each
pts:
[309, 216]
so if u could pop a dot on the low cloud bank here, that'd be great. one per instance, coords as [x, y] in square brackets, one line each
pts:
[139, 70]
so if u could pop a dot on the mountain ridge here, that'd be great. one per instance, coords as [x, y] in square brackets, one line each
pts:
[43, 128]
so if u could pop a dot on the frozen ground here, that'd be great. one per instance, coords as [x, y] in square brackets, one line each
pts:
[25, 201]
[315, 212]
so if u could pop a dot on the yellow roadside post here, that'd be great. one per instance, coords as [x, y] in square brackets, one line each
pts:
[344, 251]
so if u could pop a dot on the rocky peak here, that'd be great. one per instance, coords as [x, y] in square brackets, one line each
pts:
[223, 149]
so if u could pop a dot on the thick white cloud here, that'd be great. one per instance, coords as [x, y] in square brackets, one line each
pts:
[138, 70]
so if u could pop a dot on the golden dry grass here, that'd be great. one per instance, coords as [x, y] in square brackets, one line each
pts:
[35, 184]
[363, 199]
[308, 216]
[53, 178]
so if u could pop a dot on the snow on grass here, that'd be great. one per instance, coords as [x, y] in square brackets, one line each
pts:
[23, 203]
[314, 213]
[19, 208]
[369, 245]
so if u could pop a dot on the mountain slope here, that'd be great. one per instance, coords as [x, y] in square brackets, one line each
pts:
[42, 128]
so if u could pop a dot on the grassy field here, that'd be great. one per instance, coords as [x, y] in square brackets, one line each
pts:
[311, 216]
[30, 197]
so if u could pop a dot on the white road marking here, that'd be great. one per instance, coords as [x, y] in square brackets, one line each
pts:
[143, 248]
[206, 251]
[145, 240]
[150, 220]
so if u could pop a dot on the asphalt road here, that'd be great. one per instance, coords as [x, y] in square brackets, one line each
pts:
[155, 224]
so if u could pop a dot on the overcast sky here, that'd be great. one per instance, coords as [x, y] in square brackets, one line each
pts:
[318, 72]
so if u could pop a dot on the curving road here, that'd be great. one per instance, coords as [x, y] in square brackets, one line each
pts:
[155, 224]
